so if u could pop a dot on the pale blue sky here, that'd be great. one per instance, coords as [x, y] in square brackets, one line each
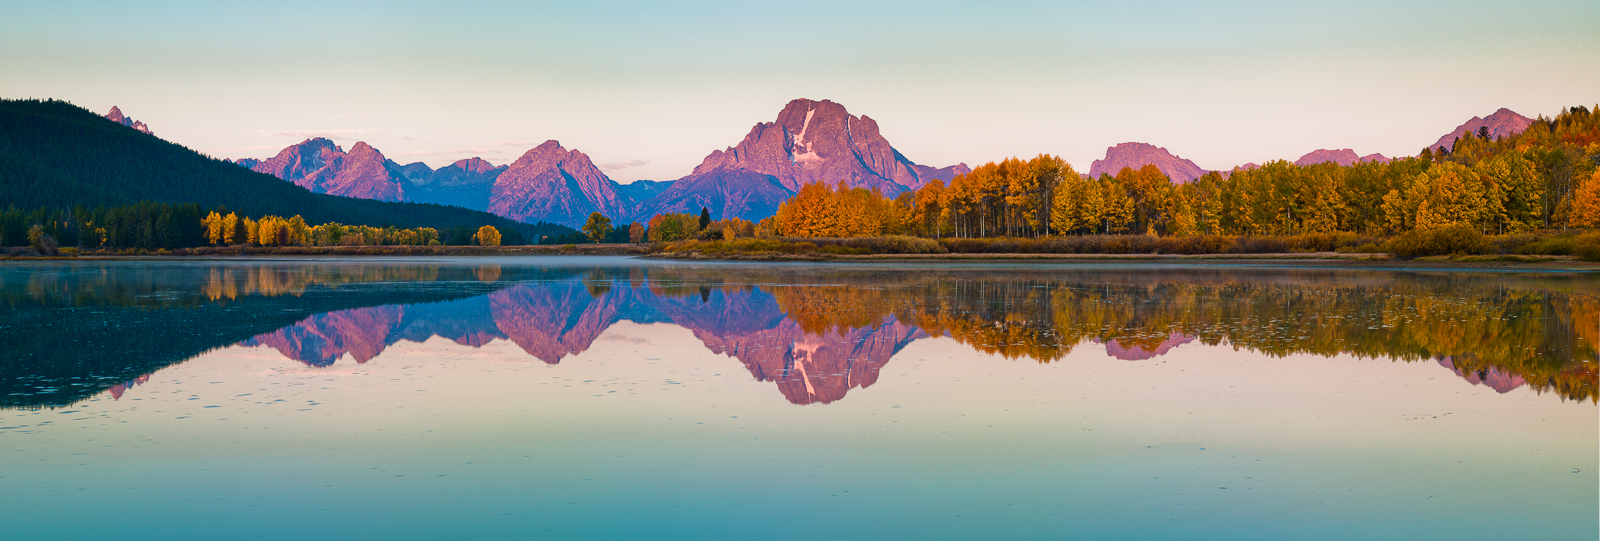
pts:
[665, 83]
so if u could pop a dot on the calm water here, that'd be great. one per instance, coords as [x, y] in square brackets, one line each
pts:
[613, 398]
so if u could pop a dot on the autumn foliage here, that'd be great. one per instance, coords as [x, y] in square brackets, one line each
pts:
[1543, 178]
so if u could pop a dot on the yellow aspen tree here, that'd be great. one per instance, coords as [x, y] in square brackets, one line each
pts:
[1585, 210]
[250, 228]
[230, 229]
[212, 224]
[487, 236]
[1066, 209]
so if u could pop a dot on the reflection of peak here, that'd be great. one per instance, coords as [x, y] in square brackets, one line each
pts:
[1141, 352]
[1493, 378]
[118, 389]
[322, 339]
[812, 368]
[553, 321]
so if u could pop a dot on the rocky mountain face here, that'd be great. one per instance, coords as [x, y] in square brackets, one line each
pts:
[811, 141]
[466, 183]
[641, 190]
[116, 116]
[819, 141]
[321, 166]
[1501, 123]
[247, 163]
[556, 185]
[1343, 156]
[1136, 155]
[725, 192]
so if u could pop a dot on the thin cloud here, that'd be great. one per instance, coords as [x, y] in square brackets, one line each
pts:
[618, 166]
[336, 135]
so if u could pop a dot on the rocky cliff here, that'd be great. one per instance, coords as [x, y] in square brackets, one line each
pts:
[811, 141]
[321, 166]
[115, 115]
[550, 183]
[1136, 155]
[1343, 156]
[1501, 123]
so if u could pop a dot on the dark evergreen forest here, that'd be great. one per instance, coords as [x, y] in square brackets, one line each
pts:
[60, 161]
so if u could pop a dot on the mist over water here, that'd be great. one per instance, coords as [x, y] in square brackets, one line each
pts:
[608, 397]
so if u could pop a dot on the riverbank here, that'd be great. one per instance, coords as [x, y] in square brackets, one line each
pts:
[336, 251]
[1329, 259]
[678, 252]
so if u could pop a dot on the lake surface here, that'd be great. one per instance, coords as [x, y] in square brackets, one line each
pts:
[560, 398]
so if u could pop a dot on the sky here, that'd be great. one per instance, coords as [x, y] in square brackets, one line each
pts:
[647, 89]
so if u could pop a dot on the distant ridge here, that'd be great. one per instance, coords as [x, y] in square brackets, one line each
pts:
[321, 166]
[1501, 123]
[1136, 155]
[115, 115]
[1343, 156]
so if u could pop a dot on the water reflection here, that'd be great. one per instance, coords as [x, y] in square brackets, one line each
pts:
[815, 332]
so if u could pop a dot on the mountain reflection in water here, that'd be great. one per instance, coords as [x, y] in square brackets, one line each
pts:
[816, 332]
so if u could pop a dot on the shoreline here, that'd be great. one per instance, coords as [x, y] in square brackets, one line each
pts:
[1318, 259]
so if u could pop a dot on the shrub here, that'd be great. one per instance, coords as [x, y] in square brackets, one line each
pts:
[1459, 239]
[844, 250]
[893, 244]
[1588, 246]
[41, 242]
[1560, 245]
[1507, 244]
[964, 246]
[1262, 245]
[1198, 245]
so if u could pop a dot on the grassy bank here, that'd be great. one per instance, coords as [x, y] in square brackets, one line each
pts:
[338, 251]
[1455, 243]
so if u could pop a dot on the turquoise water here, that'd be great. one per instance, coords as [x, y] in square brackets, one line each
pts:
[564, 398]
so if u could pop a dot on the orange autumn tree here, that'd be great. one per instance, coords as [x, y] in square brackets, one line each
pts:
[1586, 203]
[487, 236]
[813, 212]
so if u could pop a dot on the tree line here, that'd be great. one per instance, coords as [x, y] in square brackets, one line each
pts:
[1542, 178]
[154, 226]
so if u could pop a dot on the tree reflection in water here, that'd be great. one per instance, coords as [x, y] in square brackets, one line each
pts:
[817, 332]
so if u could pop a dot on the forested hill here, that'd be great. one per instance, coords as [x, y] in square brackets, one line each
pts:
[55, 154]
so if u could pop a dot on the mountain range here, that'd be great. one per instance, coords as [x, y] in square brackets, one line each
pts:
[1501, 123]
[810, 141]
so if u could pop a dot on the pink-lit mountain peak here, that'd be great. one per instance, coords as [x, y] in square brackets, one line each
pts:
[1134, 155]
[553, 184]
[115, 115]
[322, 166]
[820, 141]
[1501, 123]
[472, 165]
[1343, 156]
